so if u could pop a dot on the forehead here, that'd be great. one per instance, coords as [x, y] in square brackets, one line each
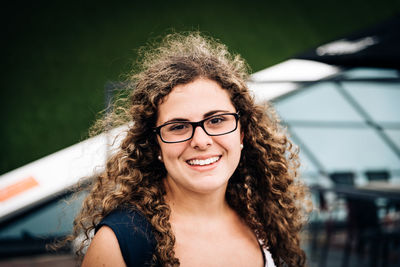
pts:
[191, 101]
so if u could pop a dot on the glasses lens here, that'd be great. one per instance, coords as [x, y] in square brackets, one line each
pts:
[175, 132]
[220, 124]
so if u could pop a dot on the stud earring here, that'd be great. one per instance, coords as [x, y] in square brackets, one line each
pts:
[159, 158]
[241, 146]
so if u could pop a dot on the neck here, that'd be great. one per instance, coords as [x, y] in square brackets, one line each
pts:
[197, 205]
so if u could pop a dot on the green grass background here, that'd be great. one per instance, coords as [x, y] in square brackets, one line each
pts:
[58, 55]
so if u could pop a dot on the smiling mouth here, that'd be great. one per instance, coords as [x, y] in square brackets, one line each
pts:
[203, 162]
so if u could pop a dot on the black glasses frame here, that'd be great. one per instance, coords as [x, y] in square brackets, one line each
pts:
[200, 124]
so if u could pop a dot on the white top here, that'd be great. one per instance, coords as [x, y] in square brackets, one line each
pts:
[269, 262]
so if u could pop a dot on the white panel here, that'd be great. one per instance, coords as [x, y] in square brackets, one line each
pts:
[57, 172]
[295, 70]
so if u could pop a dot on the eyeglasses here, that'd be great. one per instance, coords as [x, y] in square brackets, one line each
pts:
[181, 131]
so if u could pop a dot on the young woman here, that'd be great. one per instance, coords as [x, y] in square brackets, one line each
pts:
[204, 177]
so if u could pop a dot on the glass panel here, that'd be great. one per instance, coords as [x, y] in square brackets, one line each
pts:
[395, 176]
[394, 135]
[55, 219]
[348, 149]
[306, 164]
[368, 73]
[319, 102]
[380, 100]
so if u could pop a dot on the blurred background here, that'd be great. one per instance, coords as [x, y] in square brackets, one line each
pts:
[59, 56]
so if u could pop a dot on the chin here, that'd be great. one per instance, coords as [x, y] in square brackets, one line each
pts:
[209, 185]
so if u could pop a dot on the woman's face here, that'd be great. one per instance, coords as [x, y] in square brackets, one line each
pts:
[204, 163]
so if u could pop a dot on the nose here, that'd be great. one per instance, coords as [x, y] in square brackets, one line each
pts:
[200, 140]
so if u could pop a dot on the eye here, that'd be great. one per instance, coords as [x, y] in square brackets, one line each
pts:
[216, 120]
[176, 127]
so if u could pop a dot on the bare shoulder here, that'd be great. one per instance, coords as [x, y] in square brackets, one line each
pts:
[104, 250]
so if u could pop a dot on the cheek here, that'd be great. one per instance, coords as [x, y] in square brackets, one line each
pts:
[232, 145]
[235, 146]
[170, 152]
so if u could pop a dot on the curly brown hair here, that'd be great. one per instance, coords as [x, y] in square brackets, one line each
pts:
[264, 189]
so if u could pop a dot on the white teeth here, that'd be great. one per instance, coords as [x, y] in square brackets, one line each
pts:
[203, 162]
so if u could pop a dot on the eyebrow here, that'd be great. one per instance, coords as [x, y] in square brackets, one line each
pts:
[208, 114]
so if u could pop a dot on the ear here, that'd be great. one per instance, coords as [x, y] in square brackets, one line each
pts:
[241, 137]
